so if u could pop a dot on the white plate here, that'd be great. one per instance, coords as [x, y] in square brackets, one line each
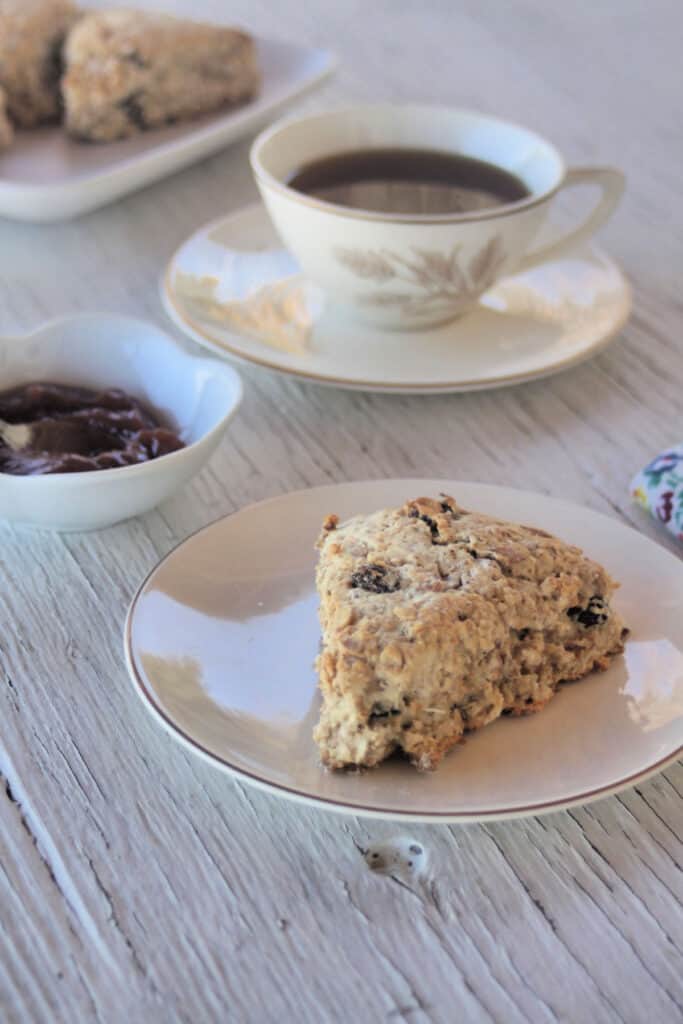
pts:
[221, 638]
[234, 272]
[45, 176]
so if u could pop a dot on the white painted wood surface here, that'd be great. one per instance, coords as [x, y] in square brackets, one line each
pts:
[137, 883]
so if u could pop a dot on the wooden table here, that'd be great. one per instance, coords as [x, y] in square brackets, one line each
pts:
[136, 883]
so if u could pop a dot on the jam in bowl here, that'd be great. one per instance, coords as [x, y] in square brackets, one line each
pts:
[127, 417]
[59, 428]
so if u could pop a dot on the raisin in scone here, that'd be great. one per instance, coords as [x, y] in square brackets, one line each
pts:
[127, 71]
[436, 620]
[6, 130]
[31, 36]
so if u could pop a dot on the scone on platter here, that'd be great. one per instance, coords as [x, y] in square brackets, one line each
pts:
[127, 71]
[436, 620]
[6, 129]
[31, 36]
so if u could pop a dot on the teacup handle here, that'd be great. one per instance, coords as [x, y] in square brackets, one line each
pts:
[611, 183]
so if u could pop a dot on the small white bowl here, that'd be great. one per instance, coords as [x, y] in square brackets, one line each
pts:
[104, 350]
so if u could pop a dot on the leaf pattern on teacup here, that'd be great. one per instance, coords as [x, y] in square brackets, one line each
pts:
[438, 280]
[436, 267]
[484, 266]
[367, 264]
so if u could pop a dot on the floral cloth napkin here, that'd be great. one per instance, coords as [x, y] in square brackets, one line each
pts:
[659, 489]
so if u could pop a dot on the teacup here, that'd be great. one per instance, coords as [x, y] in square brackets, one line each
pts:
[359, 257]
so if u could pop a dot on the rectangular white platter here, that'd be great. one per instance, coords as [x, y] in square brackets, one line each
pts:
[46, 176]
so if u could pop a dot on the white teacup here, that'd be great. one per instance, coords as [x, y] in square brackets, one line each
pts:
[406, 271]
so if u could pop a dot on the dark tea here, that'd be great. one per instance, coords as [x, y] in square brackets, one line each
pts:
[405, 181]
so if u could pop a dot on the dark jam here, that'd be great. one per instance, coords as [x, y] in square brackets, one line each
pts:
[74, 430]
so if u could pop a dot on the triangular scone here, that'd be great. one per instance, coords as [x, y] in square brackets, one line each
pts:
[436, 620]
[31, 36]
[129, 70]
[6, 129]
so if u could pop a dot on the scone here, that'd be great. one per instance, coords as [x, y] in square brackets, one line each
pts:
[127, 71]
[435, 621]
[6, 130]
[31, 36]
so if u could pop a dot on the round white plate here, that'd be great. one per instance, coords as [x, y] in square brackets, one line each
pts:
[234, 289]
[222, 636]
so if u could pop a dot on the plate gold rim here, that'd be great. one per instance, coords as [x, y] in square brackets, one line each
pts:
[346, 806]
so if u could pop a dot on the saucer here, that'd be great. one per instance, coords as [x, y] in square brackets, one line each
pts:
[234, 289]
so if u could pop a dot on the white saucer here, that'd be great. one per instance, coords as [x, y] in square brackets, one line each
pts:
[234, 289]
[222, 636]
